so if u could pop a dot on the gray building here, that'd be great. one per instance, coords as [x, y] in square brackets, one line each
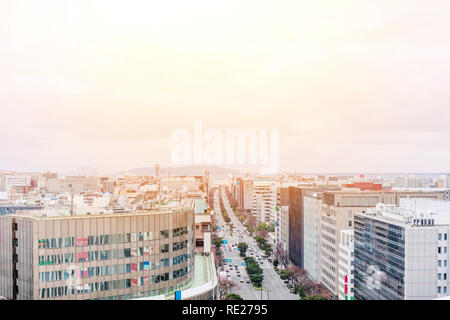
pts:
[401, 252]
[98, 256]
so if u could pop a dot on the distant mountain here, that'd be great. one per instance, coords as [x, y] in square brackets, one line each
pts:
[215, 172]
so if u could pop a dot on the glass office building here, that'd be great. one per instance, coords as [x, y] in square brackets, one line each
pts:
[379, 259]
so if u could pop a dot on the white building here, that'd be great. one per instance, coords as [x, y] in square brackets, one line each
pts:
[16, 180]
[283, 228]
[401, 252]
[346, 268]
[312, 202]
[264, 200]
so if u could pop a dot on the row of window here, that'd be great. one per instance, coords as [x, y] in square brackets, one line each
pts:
[443, 291]
[108, 254]
[440, 236]
[77, 273]
[442, 276]
[440, 263]
[110, 285]
[57, 243]
[442, 250]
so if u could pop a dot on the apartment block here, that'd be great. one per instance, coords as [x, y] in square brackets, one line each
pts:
[264, 199]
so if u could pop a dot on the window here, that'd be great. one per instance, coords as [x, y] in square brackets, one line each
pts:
[439, 249]
[165, 262]
[439, 289]
[164, 234]
[445, 276]
[440, 236]
[350, 223]
[445, 236]
[445, 289]
[439, 263]
[439, 276]
[445, 249]
[445, 263]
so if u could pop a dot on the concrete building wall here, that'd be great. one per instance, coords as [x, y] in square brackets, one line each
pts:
[296, 227]
[143, 241]
[421, 257]
[6, 274]
[346, 265]
[312, 205]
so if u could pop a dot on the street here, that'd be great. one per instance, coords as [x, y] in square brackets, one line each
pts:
[273, 287]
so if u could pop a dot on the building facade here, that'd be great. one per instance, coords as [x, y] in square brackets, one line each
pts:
[337, 212]
[346, 265]
[98, 256]
[264, 199]
[401, 252]
[312, 204]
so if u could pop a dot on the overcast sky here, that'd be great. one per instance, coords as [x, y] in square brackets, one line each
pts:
[353, 86]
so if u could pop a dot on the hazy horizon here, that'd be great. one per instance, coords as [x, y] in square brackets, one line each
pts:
[353, 86]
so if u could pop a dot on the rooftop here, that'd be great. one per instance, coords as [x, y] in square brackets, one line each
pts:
[200, 206]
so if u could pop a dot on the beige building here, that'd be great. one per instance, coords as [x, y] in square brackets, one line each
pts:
[97, 256]
[203, 225]
[337, 212]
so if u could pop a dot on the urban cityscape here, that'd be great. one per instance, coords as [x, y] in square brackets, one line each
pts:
[168, 237]
[217, 152]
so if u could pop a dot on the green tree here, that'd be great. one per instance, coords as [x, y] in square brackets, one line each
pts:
[301, 291]
[262, 226]
[233, 296]
[217, 242]
[242, 248]
[314, 297]
[272, 227]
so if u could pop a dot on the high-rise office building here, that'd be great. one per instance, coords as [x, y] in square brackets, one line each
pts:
[296, 221]
[311, 207]
[401, 252]
[337, 212]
